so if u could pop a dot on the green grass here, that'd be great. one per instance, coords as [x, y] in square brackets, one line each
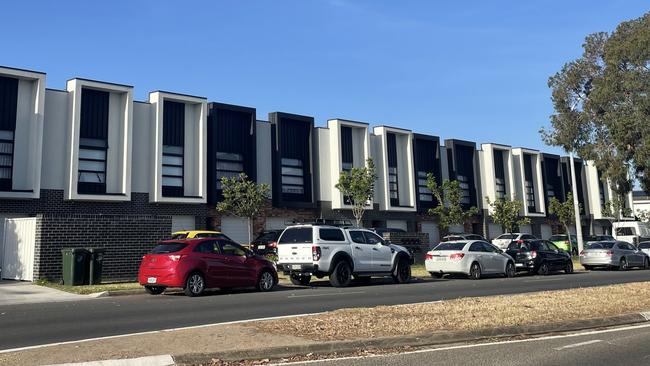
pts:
[90, 289]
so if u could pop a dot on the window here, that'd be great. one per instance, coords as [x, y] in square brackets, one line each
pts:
[644, 245]
[229, 165]
[489, 247]
[292, 176]
[625, 231]
[601, 245]
[392, 183]
[300, 235]
[163, 248]
[232, 249]
[450, 245]
[173, 149]
[464, 189]
[393, 180]
[372, 238]
[208, 247]
[93, 141]
[551, 246]
[8, 111]
[500, 188]
[476, 247]
[357, 237]
[506, 236]
[331, 235]
[423, 191]
[550, 191]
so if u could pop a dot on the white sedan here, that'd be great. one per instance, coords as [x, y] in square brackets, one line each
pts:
[474, 258]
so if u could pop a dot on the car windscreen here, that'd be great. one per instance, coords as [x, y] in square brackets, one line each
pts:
[163, 248]
[644, 245]
[450, 245]
[557, 238]
[507, 236]
[179, 236]
[524, 247]
[601, 245]
[299, 235]
[267, 237]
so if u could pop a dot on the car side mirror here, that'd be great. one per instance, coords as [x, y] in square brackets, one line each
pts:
[249, 253]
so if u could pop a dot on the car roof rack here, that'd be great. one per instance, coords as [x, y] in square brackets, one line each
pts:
[343, 223]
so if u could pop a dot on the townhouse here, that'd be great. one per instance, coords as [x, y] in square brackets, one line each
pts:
[88, 166]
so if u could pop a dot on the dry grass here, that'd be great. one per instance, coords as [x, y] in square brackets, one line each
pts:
[91, 289]
[467, 314]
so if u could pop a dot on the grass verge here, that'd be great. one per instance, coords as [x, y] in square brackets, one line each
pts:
[90, 289]
[467, 314]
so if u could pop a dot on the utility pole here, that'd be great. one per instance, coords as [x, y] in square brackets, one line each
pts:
[576, 205]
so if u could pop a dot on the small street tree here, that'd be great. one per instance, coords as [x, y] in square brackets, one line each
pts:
[449, 209]
[615, 208]
[505, 212]
[243, 198]
[358, 187]
[564, 211]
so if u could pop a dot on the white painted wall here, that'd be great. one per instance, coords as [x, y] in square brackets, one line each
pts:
[141, 163]
[406, 176]
[325, 175]
[54, 144]
[487, 173]
[520, 178]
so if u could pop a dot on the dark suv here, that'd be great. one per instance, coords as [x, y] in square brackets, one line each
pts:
[266, 242]
[540, 257]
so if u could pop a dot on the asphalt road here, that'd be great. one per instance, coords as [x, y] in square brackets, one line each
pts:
[603, 348]
[36, 324]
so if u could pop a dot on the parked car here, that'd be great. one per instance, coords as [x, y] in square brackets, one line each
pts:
[503, 241]
[193, 234]
[462, 236]
[198, 264]
[645, 247]
[568, 243]
[540, 257]
[631, 231]
[613, 254]
[381, 230]
[594, 238]
[474, 258]
[266, 242]
[340, 253]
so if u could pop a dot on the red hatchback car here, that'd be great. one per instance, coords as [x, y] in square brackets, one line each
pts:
[198, 264]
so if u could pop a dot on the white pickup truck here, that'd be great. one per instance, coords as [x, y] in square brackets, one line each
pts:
[340, 253]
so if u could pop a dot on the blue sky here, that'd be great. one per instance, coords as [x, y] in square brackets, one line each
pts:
[474, 70]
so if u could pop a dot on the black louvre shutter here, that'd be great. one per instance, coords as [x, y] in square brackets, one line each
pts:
[173, 123]
[173, 148]
[94, 114]
[346, 145]
[93, 143]
[8, 110]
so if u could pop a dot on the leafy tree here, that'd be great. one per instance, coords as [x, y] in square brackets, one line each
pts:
[243, 198]
[449, 209]
[505, 212]
[358, 186]
[564, 211]
[615, 208]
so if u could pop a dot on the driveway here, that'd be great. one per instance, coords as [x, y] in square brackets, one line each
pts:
[19, 292]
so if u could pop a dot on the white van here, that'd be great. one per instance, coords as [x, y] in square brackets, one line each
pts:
[631, 231]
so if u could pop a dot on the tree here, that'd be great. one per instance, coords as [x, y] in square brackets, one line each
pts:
[449, 209]
[243, 198]
[615, 208]
[506, 213]
[358, 186]
[563, 211]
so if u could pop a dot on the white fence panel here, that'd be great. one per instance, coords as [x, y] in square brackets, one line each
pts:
[18, 251]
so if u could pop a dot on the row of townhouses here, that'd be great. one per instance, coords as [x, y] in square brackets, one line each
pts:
[87, 166]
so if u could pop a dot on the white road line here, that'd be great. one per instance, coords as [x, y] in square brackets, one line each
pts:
[466, 346]
[162, 360]
[575, 345]
[319, 295]
[546, 279]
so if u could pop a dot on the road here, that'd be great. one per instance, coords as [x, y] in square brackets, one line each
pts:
[36, 324]
[622, 346]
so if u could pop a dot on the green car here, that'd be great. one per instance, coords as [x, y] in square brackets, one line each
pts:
[562, 242]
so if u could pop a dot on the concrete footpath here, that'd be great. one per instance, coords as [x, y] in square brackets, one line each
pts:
[19, 292]
[235, 342]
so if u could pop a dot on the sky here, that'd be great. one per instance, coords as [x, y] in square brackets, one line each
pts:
[472, 70]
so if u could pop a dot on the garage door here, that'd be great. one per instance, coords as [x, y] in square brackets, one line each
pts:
[276, 223]
[432, 229]
[18, 250]
[182, 222]
[236, 228]
[397, 224]
[526, 229]
[547, 231]
[495, 230]
[457, 229]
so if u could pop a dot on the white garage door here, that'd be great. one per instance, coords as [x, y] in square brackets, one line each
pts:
[456, 229]
[182, 222]
[276, 223]
[495, 230]
[547, 231]
[432, 229]
[526, 229]
[236, 228]
[18, 250]
[397, 224]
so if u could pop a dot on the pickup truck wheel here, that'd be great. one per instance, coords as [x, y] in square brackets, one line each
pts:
[300, 280]
[342, 274]
[402, 272]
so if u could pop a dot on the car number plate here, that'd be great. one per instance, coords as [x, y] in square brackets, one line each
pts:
[151, 280]
[441, 259]
[296, 266]
[261, 247]
[519, 264]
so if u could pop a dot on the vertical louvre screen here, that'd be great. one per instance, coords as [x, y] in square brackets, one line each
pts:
[295, 148]
[393, 184]
[228, 165]
[499, 175]
[465, 174]
[93, 142]
[426, 161]
[347, 157]
[173, 149]
[8, 108]
[529, 186]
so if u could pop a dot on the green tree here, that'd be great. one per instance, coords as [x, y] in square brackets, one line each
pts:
[243, 198]
[505, 212]
[449, 209]
[563, 211]
[615, 208]
[358, 187]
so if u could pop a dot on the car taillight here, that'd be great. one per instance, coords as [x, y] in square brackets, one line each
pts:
[456, 256]
[520, 241]
[428, 256]
[566, 242]
[315, 252]
[533, 254]
[609, 253]
[273, 244]
[175, 257]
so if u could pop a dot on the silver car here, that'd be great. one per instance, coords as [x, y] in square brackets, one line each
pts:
[645, 247]
[613, 254]
[474, 258]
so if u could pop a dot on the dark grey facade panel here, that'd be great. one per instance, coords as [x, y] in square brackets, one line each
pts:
[94, 114]
[347, 153]
[426, 155]
[173, 123]
[8, 103]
